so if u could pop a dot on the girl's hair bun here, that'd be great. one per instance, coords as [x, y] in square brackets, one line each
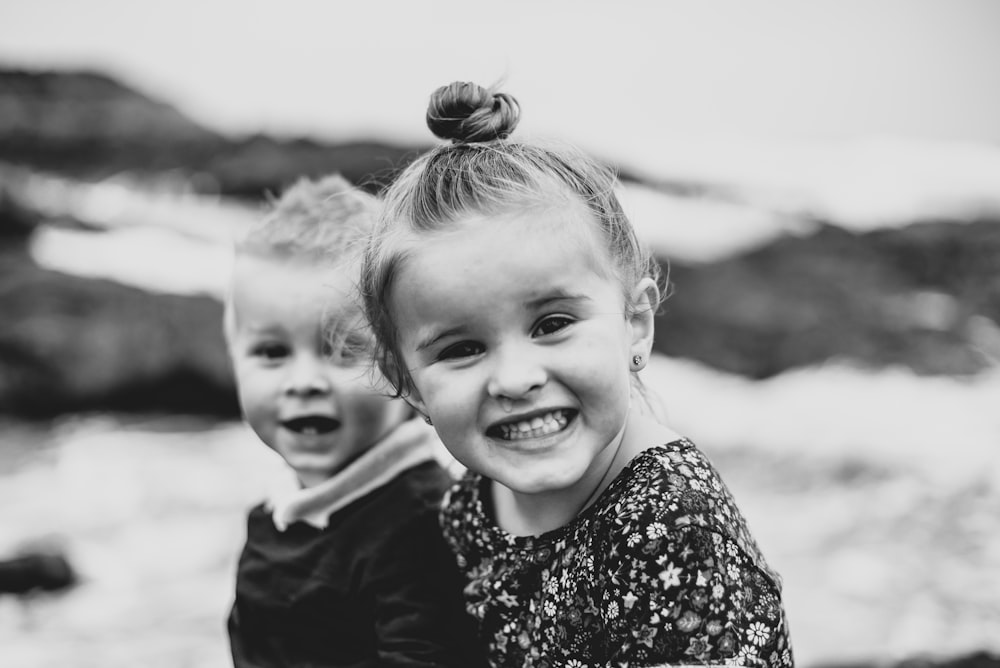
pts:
[467, 112]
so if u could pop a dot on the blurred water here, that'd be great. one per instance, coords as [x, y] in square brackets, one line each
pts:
[151, 515]
[873, 492]
[885, 553]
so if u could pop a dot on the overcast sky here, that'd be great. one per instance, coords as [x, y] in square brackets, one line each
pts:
[623, 78]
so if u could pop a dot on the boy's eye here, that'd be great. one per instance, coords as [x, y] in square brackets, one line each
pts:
[270, 351]
[350, 350]
[460, 350]
[553, 324]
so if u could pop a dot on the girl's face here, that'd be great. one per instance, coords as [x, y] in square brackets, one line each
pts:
[515, 335]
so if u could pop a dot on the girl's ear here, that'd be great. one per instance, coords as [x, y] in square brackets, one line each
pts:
[413, 398]
[645, 299]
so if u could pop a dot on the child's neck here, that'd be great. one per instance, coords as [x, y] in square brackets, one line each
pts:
[532, 514]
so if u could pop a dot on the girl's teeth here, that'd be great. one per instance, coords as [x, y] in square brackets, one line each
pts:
[310, 431]
[542, 425]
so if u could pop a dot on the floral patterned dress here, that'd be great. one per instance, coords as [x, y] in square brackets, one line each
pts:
[660, 570]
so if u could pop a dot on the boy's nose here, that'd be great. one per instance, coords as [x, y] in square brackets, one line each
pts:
[516, 372]
[306, 379]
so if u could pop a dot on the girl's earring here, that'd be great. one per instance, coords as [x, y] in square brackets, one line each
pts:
[636, 362]
[427, 419]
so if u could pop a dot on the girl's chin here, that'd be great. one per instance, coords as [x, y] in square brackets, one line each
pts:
[538, 482]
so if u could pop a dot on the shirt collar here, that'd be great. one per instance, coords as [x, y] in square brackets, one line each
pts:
[409, 444]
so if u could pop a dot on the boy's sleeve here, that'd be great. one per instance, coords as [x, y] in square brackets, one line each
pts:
[683, 595]
[420, 613]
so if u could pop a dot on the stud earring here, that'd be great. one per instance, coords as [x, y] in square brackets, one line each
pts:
[637, 361]
[427, 419]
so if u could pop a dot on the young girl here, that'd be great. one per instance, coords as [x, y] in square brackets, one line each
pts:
[513, 307]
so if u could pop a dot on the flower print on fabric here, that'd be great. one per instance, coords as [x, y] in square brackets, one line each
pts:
[660, 569]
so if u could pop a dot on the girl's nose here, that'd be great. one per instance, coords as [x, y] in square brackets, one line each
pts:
[307, 378]
[516, 373]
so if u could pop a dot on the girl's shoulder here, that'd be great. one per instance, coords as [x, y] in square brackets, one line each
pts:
[463, 492]
[462, 515]
[676, 486]
[469, 530]
[666, 464]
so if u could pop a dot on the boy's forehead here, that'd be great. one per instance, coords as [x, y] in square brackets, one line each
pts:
[285, 282]
[287, 294]
[305, 271]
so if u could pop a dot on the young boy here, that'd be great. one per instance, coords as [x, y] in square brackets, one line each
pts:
[349, 567]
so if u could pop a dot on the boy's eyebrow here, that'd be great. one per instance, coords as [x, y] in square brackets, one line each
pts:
[262, 329]
[342, 318]
[258, 331]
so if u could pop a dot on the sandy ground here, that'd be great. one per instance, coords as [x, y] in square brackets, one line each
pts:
[885, 551]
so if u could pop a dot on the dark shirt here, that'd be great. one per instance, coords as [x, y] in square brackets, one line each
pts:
[376, 587]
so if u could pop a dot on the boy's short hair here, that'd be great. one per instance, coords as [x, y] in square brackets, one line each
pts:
[314, 221]
[328, 219]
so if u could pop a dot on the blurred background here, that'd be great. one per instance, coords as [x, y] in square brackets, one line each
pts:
[822, 178]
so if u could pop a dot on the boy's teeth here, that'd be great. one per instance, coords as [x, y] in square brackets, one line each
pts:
[541, 425]
[311, 425]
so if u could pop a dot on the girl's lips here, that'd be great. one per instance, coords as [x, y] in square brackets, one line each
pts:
[311, 425]
[537, 426]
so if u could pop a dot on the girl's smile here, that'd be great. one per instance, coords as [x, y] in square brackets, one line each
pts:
[514, 331]
[537, 425]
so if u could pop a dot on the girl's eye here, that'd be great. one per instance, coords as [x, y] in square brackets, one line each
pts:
[460, 350]
[270, 351]
[553, 324]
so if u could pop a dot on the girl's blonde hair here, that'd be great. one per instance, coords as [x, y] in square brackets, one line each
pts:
[482, 173]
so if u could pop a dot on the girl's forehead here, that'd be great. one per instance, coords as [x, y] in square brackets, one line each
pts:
[567, 223]
[519, 257]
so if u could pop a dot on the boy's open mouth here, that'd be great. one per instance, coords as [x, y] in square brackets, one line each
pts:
[311, 425]
[536, 427]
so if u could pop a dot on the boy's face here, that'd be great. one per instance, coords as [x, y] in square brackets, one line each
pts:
[316, 409]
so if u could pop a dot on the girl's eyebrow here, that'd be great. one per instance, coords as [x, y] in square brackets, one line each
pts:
[433, 338]
[556, 296]
[535, 304]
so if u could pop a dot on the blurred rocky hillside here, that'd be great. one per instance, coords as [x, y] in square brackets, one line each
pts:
[925, 295]
[88, 126]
